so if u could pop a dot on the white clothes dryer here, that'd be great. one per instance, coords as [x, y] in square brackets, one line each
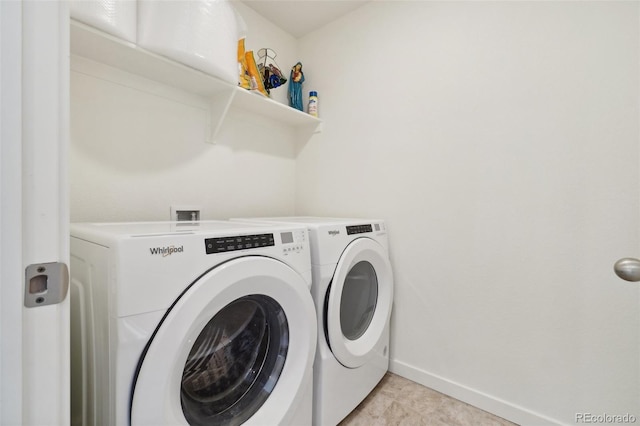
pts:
[195, 323]
[352, 288]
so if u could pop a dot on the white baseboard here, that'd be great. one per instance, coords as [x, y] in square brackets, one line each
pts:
[501, 408]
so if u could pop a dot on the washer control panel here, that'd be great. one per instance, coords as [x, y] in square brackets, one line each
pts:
[293, 241]
[241, 242]
[290, 242]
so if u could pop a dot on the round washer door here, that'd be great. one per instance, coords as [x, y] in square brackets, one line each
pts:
[235, 348]
[359, 302]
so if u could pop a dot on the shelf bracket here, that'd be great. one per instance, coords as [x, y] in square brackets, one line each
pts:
[304, 133]
[218, 109]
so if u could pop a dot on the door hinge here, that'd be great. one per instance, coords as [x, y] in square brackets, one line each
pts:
[45, 284]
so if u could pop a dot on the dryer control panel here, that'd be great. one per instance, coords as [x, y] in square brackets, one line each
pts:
[359, 229]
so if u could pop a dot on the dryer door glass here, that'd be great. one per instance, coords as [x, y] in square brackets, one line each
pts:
[358, 301]
[235, 362]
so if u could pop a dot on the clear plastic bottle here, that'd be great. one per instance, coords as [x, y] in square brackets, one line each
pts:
[313, 104]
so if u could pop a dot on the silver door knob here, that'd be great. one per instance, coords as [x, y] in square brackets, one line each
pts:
[628, 268]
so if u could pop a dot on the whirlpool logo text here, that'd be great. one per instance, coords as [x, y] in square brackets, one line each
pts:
[166, 251]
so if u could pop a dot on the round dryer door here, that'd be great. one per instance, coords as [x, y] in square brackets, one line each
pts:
[359, 302]
[236, 346]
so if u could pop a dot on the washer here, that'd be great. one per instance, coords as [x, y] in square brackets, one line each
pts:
[352, 288]
[191, 323]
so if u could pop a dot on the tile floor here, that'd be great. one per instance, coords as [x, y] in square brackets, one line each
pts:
[398, 401]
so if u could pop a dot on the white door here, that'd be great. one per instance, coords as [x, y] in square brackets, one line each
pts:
[34, 306]
[359, 302]
[236, 347]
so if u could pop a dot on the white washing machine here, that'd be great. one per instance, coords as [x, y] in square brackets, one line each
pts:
[191, 323]
[352, 288]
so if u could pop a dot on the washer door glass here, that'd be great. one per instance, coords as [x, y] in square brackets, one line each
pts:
[235, 362]
[237, 346]
[358, 301]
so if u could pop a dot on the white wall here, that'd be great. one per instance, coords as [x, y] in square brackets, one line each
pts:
[499, 140]
[138, 147]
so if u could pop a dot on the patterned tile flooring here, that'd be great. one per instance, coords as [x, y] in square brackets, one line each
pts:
[399, 401]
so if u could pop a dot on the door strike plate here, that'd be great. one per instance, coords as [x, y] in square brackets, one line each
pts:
[45, 284]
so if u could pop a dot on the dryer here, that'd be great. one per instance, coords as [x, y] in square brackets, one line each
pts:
[352, 288]
[191, 323]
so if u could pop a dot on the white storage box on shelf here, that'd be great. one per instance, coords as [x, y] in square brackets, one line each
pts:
[202, 34]
[116, 17]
